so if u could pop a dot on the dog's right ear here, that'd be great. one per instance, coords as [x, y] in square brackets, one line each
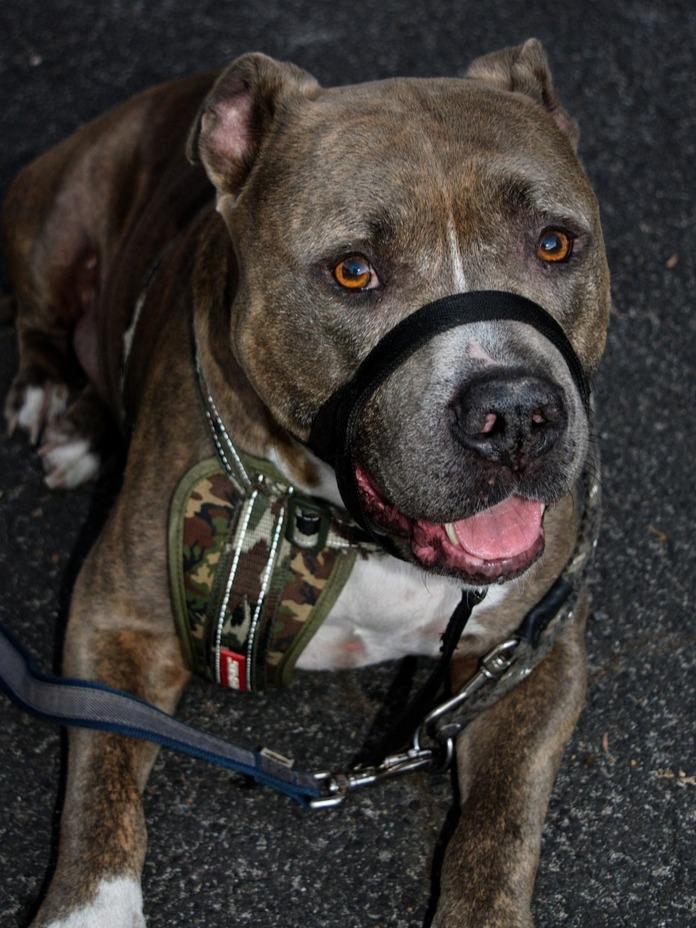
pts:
[237, 114]
[525, 69]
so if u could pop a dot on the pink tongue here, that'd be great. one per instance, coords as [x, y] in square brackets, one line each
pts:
[505, 530]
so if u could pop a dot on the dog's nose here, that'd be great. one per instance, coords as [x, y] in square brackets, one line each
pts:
[510, 418]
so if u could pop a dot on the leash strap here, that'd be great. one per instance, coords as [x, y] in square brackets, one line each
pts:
[81, 704]
[77, 703]
[398, 737]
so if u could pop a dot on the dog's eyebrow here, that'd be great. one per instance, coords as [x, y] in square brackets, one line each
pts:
[381, 227]
[377, 229]
[542, 199]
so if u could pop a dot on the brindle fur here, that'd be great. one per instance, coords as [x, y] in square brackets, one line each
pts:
[84, 224]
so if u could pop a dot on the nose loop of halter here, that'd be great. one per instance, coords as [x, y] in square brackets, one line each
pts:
[333, 433]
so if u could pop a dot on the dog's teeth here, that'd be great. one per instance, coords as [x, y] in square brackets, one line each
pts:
[451, 534]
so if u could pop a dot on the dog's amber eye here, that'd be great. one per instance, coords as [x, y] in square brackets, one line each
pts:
[355, 273]
[554, 245]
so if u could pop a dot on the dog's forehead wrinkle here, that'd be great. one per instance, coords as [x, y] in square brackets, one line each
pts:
[452, 119]
[406, 237]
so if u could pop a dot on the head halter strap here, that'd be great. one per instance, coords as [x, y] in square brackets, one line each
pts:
[333, 432]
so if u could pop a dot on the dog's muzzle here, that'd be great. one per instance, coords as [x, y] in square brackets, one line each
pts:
[333, 433]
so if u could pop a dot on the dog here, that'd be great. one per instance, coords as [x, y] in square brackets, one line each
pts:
[201, 271]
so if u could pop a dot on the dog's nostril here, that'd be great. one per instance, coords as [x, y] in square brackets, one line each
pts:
[489, 423]
[509, 417]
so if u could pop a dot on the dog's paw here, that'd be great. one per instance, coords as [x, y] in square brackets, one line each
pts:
[67, 457]
[68, 432]
[34, 407]
[117, 904]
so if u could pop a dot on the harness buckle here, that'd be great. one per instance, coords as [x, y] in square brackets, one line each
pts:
[308, 524]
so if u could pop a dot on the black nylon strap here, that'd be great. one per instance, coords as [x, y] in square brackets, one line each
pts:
[412, 333]
[333, 430]
[537, 619]
[399, 735]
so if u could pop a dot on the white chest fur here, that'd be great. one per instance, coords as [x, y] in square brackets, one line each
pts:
[388, 609]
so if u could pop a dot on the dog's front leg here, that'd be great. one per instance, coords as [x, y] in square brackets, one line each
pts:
[103, 837]
[507, 760]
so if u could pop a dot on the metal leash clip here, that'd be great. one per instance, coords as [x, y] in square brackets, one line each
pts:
[437, 758]
[436, 725]
[338, 785]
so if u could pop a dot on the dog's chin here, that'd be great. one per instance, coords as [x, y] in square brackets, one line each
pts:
[494, 545]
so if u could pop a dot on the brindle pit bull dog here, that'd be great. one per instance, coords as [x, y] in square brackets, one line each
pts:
[335, 214]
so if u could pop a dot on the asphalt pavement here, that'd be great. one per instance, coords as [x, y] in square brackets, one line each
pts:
[619, 839]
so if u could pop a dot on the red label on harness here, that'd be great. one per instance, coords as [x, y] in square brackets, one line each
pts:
[233, 670]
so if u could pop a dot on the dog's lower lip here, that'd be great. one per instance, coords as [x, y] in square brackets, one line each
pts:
[440, 546]
[384, 514]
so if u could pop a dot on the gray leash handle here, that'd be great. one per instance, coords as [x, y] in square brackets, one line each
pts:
[82, 704]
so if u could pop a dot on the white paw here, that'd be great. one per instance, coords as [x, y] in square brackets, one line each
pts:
[117, 904]
[40, 406]
[68, 459]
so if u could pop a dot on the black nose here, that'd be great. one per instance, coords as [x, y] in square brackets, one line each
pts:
[509, 417]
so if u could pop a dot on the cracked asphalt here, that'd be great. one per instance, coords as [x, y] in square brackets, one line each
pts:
[619, 839]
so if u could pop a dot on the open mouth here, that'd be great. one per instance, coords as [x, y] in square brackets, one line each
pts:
[495, 544]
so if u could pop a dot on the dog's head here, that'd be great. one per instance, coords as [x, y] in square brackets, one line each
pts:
[349, 209]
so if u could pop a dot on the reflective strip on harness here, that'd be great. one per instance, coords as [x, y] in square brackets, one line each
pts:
[253, 573]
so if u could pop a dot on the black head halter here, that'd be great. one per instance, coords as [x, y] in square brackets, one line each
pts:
[333, 432]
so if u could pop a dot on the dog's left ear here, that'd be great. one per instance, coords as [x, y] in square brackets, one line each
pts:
[525, 69]
[237, 114]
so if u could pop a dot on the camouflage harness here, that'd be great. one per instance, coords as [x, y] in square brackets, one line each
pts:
[255, 565]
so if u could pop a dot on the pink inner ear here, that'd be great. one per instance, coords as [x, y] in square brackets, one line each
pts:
[230, 137]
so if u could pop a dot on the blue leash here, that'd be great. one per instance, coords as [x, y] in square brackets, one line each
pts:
[84, 704]
[81, 704]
